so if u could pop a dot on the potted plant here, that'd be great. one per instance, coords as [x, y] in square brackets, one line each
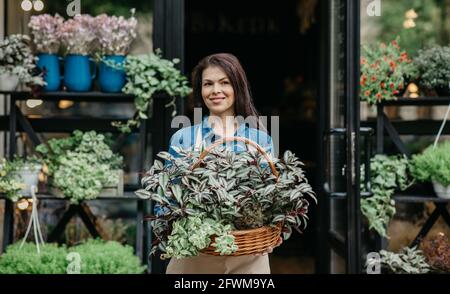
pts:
[44, 29]
[77, 35]
[96, 257]
[26, 260]
[433, 164]
[114, 35]
[18, 176]
[82, 166]
[437, 252]
[17, 63]
[107, 257]
[206, 199]
[387, 174]
[148, 75]
[407, 261]
[383, 72]
[433, 66]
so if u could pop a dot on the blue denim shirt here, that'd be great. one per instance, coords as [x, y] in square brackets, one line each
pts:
[185, 139]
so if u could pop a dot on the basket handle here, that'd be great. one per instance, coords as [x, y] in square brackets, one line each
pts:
[239, 139]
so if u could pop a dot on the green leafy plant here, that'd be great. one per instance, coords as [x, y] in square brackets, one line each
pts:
[433, 164]
[237, 190]
[10, 181]
[387, 173]
[107, 257]
[408, 261]
[191, 234]
[81, 165]
[383, 71]
[17, 59]
[96, 257]
[146, 76]
[433, 66]
[26, 260]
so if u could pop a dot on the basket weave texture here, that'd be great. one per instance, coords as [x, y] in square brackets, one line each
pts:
[251, 241]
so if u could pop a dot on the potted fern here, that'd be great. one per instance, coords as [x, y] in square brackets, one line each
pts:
[207, 200]
[433, 164]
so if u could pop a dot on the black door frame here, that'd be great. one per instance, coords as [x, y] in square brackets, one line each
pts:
[168, 35]
[351, 244]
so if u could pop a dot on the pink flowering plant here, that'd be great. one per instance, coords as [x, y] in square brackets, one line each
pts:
[116, 34]
[78, 34]
[44, 29]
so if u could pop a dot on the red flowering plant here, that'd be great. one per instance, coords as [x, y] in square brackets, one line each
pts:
[383, 72]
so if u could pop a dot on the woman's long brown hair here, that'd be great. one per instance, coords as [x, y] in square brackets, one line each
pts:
[243, 103]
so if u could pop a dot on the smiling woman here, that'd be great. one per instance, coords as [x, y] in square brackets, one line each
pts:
[217, 92]
[220, 86]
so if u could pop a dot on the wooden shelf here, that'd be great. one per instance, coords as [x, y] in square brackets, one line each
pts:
[418, 199]
[419, 101]
[45, 196]
[93, 96]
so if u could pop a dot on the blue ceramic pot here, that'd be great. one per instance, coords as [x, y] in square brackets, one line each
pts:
[49, 65]
[77, 73]
[111, 79]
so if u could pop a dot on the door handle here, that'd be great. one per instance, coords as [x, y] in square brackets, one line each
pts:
[366, 134]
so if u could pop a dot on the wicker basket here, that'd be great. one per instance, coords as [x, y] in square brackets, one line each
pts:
[250, 241]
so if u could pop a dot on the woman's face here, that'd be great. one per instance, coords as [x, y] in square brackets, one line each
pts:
[217, 92]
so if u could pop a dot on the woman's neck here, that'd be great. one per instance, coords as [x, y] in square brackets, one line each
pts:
[223, 125]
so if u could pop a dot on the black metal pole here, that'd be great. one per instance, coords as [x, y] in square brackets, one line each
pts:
[352, 138]
[380, 128]
[12, 127]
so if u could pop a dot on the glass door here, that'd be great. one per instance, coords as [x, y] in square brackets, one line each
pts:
[339, 209]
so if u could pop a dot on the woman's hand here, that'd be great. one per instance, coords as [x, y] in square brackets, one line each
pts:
[270, 249]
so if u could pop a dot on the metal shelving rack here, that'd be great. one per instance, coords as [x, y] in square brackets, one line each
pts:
[157, 126]
[426, 127]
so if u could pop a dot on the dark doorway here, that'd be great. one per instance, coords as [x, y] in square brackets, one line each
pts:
[278, 45]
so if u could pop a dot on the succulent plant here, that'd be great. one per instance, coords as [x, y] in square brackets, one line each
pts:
[235, 189]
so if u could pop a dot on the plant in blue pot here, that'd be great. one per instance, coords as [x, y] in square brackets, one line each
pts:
[44, 29]
[77, 35]
[114, 35]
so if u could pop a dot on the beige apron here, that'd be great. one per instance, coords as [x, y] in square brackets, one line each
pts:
[209, 264]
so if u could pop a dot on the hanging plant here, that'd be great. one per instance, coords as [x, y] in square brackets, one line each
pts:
[148, 75]
[387, 174]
